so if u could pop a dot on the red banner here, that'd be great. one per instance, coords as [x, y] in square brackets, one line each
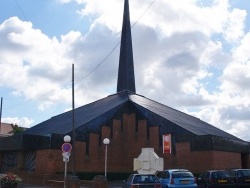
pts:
[166, 138]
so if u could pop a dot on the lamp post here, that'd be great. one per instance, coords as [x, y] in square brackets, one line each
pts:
[106, 141]
[67, 138]
[66, 148]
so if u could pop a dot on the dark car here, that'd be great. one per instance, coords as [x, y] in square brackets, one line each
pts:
[241, 177]
[177, 178]
[214, 179]
[142, 180]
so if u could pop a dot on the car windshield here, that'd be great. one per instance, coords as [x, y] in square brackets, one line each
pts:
[182, 175]
[145, 179]
[244, 173]
[220, 174]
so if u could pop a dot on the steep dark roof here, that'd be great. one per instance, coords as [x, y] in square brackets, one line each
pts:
[90, 117]
[98, 111]
[185, 121]
[126, 78]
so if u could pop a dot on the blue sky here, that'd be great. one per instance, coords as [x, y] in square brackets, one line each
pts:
[189, 55]
[52, 17]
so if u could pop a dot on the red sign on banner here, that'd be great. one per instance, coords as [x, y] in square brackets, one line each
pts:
[166, 138]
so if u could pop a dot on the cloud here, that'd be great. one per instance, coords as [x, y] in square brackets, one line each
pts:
[190, 55]
[21, 122]
[37, 65]
[234, 27]
[236, 75]
[44, 65]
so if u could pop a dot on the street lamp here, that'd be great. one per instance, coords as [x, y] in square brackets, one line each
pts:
[106, 141]
[67, 138]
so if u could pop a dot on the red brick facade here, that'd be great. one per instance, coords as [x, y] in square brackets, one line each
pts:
[198, 161]
[125, 145]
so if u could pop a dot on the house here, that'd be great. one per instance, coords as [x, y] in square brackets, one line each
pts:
[6, 129]
[131, 122]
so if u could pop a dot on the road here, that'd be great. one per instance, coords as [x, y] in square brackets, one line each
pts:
[116, 184]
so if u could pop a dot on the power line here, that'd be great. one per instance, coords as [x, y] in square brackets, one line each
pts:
[98, 65]
[21, 10]
[35, 99]
[143, 13]
[107, 56]
[104, 59]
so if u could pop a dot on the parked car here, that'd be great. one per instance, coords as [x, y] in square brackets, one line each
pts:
[241, 177]
[214, 179]
[142, 180]
[177, 178]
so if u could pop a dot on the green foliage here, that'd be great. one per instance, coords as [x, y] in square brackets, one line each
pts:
[16, 129]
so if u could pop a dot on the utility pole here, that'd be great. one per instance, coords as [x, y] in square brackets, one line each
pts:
[1, 113]
[73, 120]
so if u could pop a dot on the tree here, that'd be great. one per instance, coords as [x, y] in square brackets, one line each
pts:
[16, 129]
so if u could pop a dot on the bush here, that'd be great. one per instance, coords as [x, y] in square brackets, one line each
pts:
[10, 179]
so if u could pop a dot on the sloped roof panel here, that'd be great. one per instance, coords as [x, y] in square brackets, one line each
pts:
[62, 124]
[185, 121]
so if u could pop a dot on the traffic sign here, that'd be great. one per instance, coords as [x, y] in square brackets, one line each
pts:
[65, 159]
[66, 147]
[65, 154]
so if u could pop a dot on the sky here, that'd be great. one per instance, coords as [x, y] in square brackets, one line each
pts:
[191, 55]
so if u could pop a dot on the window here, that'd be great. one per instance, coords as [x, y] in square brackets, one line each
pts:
[244, 173]
[166, 175]
[206, 175]
[182, 175]
[163, 175]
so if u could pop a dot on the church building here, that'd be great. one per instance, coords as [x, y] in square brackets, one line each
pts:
[131, 122]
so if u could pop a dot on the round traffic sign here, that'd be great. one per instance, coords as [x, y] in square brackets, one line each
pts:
[66, 147]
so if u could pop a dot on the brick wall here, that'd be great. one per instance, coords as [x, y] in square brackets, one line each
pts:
[198, 161]
[225, 160]
[126, 142]
[47, 161]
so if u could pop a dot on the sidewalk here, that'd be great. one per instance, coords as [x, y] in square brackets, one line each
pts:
[24, 185]
[115, 184]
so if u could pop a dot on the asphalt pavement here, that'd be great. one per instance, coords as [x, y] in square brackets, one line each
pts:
[115, 184]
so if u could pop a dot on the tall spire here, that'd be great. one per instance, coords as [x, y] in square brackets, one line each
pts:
[126, 77]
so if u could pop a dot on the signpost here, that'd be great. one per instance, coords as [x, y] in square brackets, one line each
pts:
[66, 149]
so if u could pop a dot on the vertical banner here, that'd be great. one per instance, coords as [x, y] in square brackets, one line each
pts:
[166, 138]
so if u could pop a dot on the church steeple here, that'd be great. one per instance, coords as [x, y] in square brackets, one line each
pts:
[126, 77]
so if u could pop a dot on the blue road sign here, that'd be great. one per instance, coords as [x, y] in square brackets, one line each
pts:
[66, 147]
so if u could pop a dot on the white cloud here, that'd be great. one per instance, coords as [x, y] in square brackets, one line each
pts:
[234, 28]
[37, 64]
[242, 52]
[21, 122]
[187, 55]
